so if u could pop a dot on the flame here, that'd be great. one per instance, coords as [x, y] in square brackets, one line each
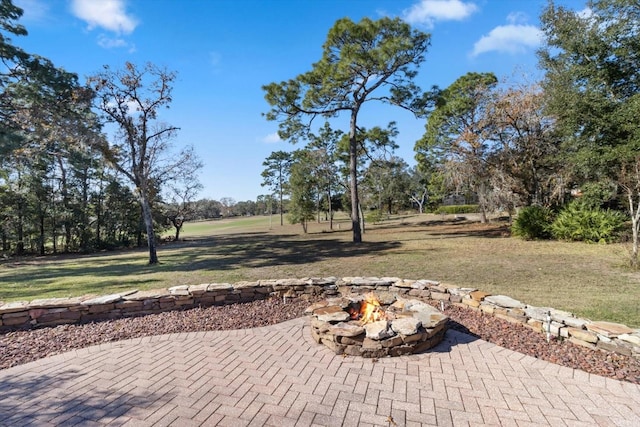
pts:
[370, 310]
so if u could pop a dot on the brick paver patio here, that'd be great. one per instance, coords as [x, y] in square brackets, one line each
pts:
[277, 376]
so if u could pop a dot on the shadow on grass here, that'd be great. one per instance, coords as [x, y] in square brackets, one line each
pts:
[263, 250]
[452, 228]
[219, 253]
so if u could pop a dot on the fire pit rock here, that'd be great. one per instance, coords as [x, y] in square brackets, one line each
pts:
[397, 326]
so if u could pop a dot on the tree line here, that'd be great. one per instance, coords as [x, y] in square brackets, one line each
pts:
[570, 139]
[86, 166]
[568, 144]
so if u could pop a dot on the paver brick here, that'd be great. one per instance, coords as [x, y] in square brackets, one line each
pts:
[279, 376]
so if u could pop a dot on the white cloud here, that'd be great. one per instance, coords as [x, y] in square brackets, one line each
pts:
[271, 138]
[510, 38]
[517, 18]
[107, 14]
[427, 12]
[110, 43]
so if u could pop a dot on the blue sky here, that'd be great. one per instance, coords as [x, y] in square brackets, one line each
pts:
[224, 51]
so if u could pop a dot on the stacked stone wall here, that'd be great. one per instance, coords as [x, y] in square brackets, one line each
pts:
[556, 324]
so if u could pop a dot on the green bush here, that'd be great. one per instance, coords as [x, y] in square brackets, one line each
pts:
[580, 222]
[533, 222]
[374, 216]
[457, 209]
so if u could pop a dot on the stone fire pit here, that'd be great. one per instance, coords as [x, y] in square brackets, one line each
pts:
[397, 326]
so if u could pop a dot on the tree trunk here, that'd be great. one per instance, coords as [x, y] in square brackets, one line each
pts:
[353, 176]
[42, 236]
[634, 249]
[330, 209]
[634, 210]
[148, 222]
[177, 224]
[20, 232]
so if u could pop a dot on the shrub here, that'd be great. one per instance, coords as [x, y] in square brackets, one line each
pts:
[580, 222]
[533, 222]
[374, 216]
[457, 209]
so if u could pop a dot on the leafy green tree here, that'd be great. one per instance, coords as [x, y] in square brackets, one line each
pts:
[303, 186]
[459, 136]
[361, 62]
[131, 98]
[388, 182]
[373, 145]
[324, 147]
[276, 174]
[592, 84]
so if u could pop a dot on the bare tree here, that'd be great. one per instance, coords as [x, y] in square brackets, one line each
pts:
[181, 193]
[141, 148]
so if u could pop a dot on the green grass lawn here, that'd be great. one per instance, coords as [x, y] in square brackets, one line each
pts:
[589, 280]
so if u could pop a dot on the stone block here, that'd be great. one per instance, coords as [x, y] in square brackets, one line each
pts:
[16, 314]
[609, 329]
[509, 318]
[438, 289]
[401, 350]
[631, 338]
[504, 301]
[101, 308]
[581, 343]
[316, 336]
[567, 318]
[54, 302]
[13, 307]
[71, 315]
[130, 305]
[392, 342]
[420, 336]
[331, 313]
[478, 295]
[487, 308]
[36, 313]
[535, 324]
[15, 320]
[103, 300]
[583, 335]
[538, 313]
[455, 298]
[471, 302]
[351, 341]
[439, 296]
[614, 346]
[352, 350]
[343, 329]
[334, 346]
[198, 290]
[220, 287]
[370, 344]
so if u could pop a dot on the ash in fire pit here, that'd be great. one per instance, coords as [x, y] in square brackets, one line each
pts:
[376, 325]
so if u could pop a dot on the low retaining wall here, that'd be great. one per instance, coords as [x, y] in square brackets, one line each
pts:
[606, 336]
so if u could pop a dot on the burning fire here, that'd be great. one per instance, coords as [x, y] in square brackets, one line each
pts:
[369, 311]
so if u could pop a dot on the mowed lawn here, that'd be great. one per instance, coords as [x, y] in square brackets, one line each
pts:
[590, 280]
